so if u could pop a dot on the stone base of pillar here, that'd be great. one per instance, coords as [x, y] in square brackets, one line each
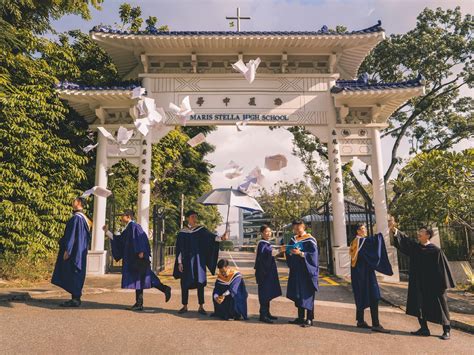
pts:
[96, 261]
[392, 256]
[341, 261]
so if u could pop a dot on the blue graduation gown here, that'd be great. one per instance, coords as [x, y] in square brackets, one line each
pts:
[126, 247]
[371, 256]
[70, 274]
[304, 271]
[266, 273]
[235, 304]
[198, 249]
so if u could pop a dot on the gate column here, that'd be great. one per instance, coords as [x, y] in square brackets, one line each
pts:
[96, 258]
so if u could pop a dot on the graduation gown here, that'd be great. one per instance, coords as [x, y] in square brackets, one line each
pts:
[304, 272]
[198, 249]
[235, 303]
[368, 255]
[266, 273]
[126, 247]
[70, 274]
[429, 278]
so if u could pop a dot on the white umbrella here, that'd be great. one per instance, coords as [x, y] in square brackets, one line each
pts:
[230, 197]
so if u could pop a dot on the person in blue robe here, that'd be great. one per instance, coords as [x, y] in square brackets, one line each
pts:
[368, 254]
[230, 294]
[303, 261]
[133, 248]
[266, 274]
[70, 269]
[429, 279]
[196, 249]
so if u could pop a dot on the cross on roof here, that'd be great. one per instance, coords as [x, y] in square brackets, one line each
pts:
[238, 18]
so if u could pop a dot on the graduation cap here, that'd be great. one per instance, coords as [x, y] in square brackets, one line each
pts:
[276, 162]
[97, 191]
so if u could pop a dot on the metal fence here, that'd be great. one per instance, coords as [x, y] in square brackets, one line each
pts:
[456, 242]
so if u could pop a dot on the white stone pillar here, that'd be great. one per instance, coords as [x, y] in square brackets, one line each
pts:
[380, 201]
[337, 193]
[144, 173]
[96, 258]
[378, 185]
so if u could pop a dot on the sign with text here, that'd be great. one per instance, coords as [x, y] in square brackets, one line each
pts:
[238, 117]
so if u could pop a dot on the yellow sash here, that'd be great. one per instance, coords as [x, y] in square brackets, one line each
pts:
[228, 278]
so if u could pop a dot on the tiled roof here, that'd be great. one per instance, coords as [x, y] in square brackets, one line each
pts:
[72, 86]
[323, 31]
[362, 83]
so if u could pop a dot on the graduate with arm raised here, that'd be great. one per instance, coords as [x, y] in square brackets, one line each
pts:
[133, 248]
[196, 249]
[429, 278]
[266, 274]
[368, 254]
[70, 269]
[230, 294]
[303, 261]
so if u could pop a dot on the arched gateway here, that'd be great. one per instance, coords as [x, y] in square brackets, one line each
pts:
[305, 79]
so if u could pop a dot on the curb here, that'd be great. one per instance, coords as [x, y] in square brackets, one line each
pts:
[23, 296]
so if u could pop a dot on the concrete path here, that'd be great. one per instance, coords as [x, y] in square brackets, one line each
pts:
[103, 325]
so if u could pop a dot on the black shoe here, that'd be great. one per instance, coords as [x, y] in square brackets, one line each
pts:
[74, 303]
[380, 329]
[184, 309]
[422, 332]
[265, 320]
[167, 293]
[137, 307]
[363, 325]
[446, 335]
[202, 311]
[307, 323]
[237, 317]
[272, 317]
[297, 321]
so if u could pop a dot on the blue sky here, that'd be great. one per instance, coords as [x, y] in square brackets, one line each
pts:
[397, 16]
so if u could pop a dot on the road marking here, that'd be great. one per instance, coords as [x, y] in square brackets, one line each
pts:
[232, 259]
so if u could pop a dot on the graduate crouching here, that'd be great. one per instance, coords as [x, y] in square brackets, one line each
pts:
[303, 261]
[230, 294]
[133, 248]
[429, 278]
[368, 254]
[70, 269]
[266, 274]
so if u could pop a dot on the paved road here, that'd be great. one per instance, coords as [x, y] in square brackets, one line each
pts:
[103, 325]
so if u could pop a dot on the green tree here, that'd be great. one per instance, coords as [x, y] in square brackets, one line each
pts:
[286, 202]
[179, 169]
[437, 187]
[41, 164]
[440, 47]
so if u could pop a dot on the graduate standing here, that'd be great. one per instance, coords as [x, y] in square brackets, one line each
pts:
[303, 261]
[230, 294]
[429, 278]
[368, 254]
[266, 274]
[70, 269]
[196, 249]
[133, 248]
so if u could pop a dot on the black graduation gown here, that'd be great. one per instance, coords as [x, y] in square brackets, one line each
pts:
[198, 249]
[429, 278]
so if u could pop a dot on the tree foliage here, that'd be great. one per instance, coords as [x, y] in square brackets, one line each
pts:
[440, 47]
[437, 187]
[286, 202]
[41, 164]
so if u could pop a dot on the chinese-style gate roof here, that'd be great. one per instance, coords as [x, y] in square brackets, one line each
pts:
[127, 48]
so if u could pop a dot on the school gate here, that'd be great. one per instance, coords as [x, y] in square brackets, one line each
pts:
[304, 79]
